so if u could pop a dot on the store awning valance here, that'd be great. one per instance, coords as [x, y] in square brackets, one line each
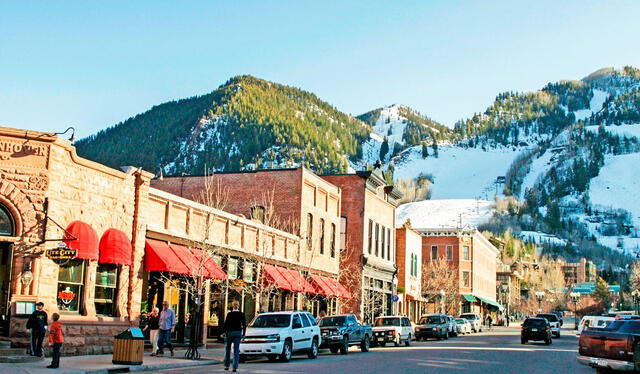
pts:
[115, 248]
[159, 256]
[322, 287]
[298, 279]
[469, 298]
[83, 238]
[214, 270]
[341, 290]
[273, 275]
[491, 305]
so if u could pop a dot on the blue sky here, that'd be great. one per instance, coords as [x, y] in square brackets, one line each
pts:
[92, 66]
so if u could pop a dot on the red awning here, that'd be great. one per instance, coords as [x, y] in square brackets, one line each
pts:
[115, 248]
[291, 279]
[160, 257]
[276, 277]
[86, 240]
[299, 279]
[342, 291]
[322, 287]
[214, 270]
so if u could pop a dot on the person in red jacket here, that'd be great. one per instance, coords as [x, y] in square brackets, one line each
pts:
[55, 339]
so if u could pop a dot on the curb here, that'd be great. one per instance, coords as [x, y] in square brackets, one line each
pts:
[140, 368]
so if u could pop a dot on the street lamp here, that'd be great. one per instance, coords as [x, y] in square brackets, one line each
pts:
[575, 297]
[636, 299]
[442, 293]
[505, 292]
[540, 297]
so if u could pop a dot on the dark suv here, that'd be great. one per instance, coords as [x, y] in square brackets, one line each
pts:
[535, 329]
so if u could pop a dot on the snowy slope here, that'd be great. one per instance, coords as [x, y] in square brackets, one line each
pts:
[621, 130]
[460, 173]
[597, 101]
[433, 214]
[390, 125]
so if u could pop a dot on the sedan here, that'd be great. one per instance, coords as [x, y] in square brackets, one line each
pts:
[463, 326]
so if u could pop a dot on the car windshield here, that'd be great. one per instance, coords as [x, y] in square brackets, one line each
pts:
[387, 322]
[549, 317]
[333, 321]
[460, 321]
[468, 316]
[535, 323]
[271, 320]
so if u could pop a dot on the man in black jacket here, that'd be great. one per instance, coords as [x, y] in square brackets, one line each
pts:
[235, 326]
[38, 324]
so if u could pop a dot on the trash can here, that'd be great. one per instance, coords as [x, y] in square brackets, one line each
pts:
[128, 347]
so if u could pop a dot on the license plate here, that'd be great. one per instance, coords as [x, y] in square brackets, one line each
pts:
[534, 329]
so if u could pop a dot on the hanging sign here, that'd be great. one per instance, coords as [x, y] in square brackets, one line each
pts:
[61, 255]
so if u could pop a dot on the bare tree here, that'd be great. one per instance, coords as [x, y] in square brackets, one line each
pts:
[438, 275]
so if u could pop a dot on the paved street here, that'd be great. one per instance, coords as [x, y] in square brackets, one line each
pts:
[493, 352]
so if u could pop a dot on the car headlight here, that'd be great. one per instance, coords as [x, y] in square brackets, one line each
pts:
[391, 332]
[273, 337]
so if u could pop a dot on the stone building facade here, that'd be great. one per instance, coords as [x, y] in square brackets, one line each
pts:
[45, 187]
[367, 266]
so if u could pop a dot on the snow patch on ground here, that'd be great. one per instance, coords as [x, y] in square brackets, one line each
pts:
[459, 172]
[620, 130]
[433, 214]
[541, 238]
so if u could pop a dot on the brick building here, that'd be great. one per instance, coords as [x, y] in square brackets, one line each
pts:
[132, 246]
[409, 262]
[294, 200]
[475, 259]
[579, 272]
[367, 266]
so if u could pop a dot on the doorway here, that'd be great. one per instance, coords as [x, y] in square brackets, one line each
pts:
[5, 287]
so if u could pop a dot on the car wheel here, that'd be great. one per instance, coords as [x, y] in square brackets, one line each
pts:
[383, 344]
[408, 341]
[344, 347]
[558, 335]
[313, 351]
[272, 358]
[364, 345]
[523, 341]
[396, 342]
[285, 356]
[334, 349]
[446, 336]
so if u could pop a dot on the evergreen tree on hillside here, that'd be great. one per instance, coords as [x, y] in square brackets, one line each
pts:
[602, 292]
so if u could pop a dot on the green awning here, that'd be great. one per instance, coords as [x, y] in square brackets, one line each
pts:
[469, 298]
[491, 305]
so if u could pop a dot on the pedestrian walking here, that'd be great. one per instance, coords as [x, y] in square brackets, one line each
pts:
[235, 326]
[153, 325]
[167, 324]
[321, 315]
[55, 339]
[489, 321]
[37, 323]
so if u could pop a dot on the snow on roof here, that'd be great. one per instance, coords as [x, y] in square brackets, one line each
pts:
[450, 213]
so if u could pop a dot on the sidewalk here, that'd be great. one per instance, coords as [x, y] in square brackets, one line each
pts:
[101, 364]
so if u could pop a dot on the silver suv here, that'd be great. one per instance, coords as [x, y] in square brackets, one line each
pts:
[474, 319]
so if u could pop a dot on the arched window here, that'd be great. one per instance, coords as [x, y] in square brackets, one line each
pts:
[7, 226]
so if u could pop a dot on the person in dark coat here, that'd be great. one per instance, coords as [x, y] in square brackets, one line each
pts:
[37, 323]
[235, 327]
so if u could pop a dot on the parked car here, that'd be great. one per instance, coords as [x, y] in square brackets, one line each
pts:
[433, 326]
[474, 319]
[280, 335]
[553, 321]
[341, 331]
[614, 347]
[463, 326]
[453, 329]
[535, 329]
[559, 314]
[392, 329]
[588, 322]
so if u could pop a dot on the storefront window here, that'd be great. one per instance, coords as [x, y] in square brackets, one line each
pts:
[6, 222]
[106, 289]
[70, 286]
